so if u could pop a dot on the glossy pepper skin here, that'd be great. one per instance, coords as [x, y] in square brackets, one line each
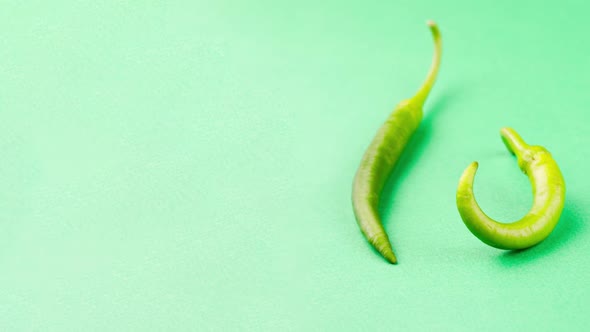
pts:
[382, 155]
[548, 191]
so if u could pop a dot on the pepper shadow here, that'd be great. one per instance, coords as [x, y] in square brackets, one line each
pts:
[571, 225]
[414, 150]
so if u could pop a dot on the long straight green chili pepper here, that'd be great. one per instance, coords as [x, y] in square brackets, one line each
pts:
[549, 197]
[383, 154]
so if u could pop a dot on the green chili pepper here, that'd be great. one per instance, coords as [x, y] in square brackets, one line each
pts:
[383, 154]
[549, 197]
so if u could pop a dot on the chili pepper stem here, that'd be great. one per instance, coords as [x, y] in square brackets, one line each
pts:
[421, 95]
[514, 143]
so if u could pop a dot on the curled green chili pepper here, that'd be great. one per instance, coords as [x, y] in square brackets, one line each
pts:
[382, 155]
[549, 197]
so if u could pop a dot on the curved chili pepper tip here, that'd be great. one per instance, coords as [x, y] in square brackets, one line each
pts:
[466, 182]
[390, 257]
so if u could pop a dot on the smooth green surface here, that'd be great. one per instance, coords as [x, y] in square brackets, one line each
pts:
[188, 166]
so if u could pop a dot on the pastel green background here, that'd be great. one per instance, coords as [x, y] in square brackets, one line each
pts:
[176, 166]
